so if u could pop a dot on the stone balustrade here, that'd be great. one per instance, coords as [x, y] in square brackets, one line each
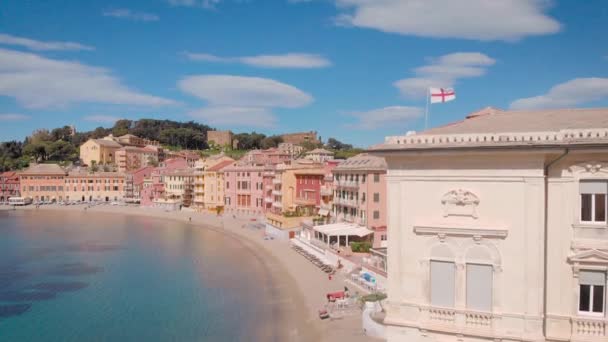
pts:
[589, 327]
[560, 137]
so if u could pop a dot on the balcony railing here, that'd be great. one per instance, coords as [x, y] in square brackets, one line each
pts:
[326, 192]
[277, 204]
[268, 200]
[276, 193]
[276, 181]
[589, 327]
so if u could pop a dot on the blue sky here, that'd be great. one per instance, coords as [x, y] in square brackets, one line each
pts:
[356, 70]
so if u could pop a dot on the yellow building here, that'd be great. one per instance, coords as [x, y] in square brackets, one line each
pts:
[214, 185]
[100, 151]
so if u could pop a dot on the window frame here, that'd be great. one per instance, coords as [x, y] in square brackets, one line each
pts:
[592, 289]
[593, 204]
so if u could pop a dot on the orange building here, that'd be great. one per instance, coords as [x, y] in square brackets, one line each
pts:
[43, 182]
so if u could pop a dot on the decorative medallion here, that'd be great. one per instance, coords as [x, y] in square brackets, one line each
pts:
[460, 202]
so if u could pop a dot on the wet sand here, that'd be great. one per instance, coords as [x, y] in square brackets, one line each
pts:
[297, 286]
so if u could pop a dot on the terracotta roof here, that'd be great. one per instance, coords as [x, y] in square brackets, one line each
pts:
[363, 161]
[44, 169]
[220, 165]
[108, 143]
[492, 120]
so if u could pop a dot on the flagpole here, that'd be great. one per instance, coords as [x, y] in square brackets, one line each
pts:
[426, 113]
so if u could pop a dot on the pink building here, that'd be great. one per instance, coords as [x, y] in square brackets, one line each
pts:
[9, 186]
[153, 186]
[263, 157]
[134, 183]
[313, 189]
[360, 194]
[131, 158]
[244, 188]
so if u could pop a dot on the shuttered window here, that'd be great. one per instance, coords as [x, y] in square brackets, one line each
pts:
[479, 287]
[593, 201]
[442, 283]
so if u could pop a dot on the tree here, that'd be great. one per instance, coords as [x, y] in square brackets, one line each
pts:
[272, 141]
[121, 127]
[94, 166]
[335, 144]
[99, 133]
[61, 150]
[62, 133]
[37, 150]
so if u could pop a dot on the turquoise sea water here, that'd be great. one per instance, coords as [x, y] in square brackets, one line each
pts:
[72, 276]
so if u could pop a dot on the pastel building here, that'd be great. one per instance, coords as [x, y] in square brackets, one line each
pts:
[360, 194]
[100, 151]
[43, 182]
[319, 155]
[498, 228]
[130, 158]
[215, 185]
[9, 186]
[244, 188]
[153, 187]
[94, 186]
[178, 186]
[134, 183]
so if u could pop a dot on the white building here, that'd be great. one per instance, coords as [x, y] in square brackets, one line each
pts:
[498, 228]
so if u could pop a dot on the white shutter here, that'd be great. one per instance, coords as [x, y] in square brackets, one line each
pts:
[442, 284]
[592, 278]
[593, 187]
[479, 287]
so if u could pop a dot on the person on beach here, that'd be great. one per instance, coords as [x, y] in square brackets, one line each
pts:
[190, 219]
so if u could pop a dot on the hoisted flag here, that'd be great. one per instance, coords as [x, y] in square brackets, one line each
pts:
[440, 95]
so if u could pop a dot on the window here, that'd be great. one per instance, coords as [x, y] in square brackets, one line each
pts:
[593, 201]
[383, 237]
[227, 185]
[442, 283]
[592, 289]
[479, 287]
[376, 178]
[376, 214]
[376, 197]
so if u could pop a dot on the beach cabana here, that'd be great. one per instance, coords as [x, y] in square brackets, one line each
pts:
[341, 234]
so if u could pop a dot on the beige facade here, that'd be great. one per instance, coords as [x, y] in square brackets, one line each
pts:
[214, 184]
[498, 228]
[100, 151]
[179, 184]
[99, 186]
[220, 138]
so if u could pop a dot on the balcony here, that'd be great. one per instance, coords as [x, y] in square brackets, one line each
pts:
[276, 181]
[306, 201]
[268, 200]
[326, 192]
[277, 204]
[348, 184]
[277, 193]
[464, 319]
[269, 187]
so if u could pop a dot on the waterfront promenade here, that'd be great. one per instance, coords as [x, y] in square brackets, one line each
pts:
[300, 286]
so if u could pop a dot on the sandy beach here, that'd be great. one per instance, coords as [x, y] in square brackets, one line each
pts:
[298, 286]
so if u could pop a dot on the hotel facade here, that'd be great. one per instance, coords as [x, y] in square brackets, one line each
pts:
[498, 228]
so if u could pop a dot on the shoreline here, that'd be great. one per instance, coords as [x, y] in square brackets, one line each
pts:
[300, 285]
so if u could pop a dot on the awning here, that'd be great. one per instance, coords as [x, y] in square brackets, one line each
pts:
[323, 212]
[343, 229]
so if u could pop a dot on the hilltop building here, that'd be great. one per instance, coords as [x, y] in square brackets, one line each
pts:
[498, 228]
[320, 155]
[300, 138]
[220, 138]
[99, 151]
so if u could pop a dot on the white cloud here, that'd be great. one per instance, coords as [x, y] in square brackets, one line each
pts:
[568, 94]
[444, 72]
[125, 13]
[13, 117]
[484, 20]
[394, 115]
[236, 116]
[288, 60]
[37, 45]
[101, 118]
[40, 82]
[244, 91]
[238, 100]
[195, 3]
